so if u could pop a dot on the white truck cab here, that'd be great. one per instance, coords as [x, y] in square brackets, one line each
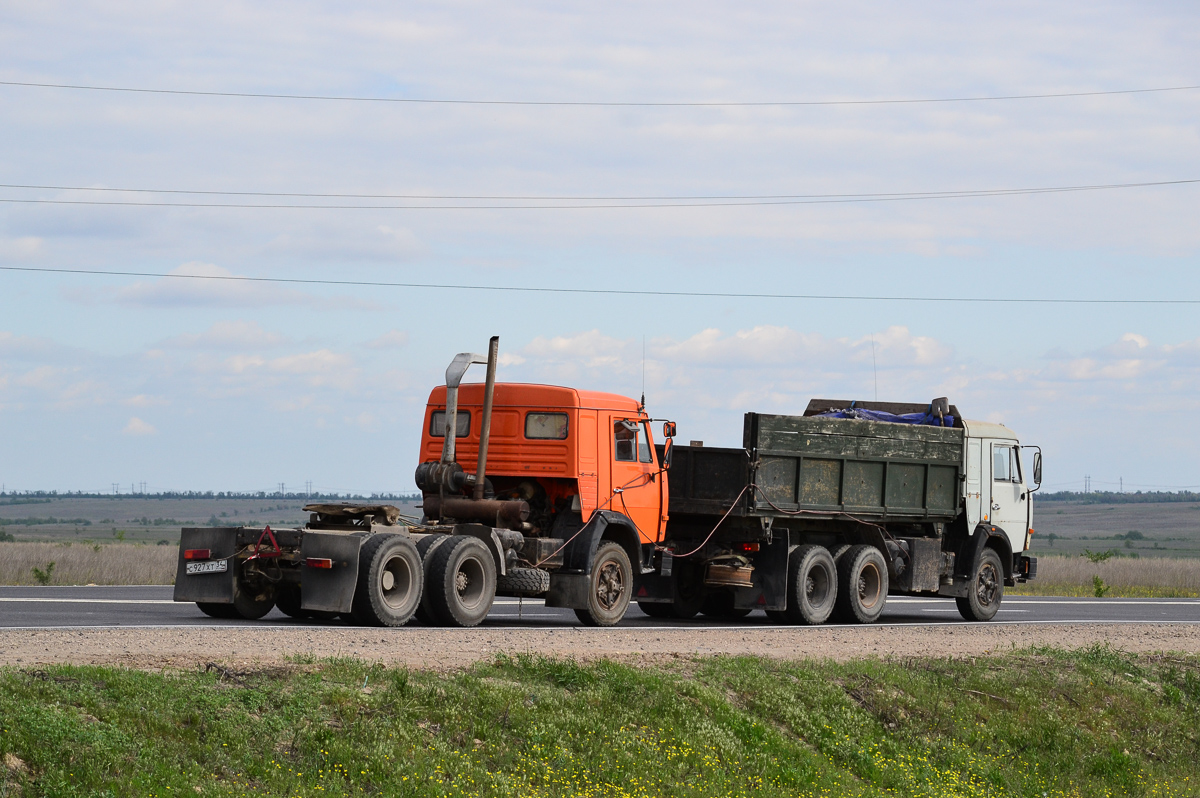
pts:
[994, 491]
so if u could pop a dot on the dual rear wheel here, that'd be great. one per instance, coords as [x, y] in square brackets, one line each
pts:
[851, 588]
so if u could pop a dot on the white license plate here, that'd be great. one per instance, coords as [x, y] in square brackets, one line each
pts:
[209, 567]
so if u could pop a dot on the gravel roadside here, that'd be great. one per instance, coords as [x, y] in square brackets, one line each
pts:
[450, 649]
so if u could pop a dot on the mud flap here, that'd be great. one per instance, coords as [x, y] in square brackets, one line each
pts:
[330, 589]
[569, 590]
[213, 588]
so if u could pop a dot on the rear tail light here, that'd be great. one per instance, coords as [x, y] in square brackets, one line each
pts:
[197, 554]
[749, 547]
[319, 562]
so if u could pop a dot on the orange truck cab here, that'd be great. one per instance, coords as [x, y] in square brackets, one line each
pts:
[561, 450]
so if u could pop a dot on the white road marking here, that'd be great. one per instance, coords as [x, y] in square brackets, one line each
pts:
[57, 600]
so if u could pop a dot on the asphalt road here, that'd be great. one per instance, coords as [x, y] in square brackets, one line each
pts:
[64, 607]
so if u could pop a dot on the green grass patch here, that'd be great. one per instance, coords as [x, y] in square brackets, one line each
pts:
[1039, 722]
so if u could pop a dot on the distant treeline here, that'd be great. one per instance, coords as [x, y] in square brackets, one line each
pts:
[44, 496]
[1111, 497]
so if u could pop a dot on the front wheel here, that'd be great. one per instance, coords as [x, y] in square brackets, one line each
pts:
[986, 589]
[609, 587]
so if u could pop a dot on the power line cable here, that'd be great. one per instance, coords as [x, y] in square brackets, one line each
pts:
[954, 193]
[608, 291]
[590, 103]
[594, 202]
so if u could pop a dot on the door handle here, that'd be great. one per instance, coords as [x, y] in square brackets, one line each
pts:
[995, 506]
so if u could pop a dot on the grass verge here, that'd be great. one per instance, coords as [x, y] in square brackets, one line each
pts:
[1120, 577]
[87, 564]
[1094, 722]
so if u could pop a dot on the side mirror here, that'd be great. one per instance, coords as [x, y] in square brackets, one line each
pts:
[1037, 469]
[668, 429]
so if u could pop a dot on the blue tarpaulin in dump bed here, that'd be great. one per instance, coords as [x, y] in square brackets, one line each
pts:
[927, 418]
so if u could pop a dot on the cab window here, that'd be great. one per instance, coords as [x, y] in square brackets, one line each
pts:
[1006, 464]
[462, 424]
[644, 454]
[625, 441]
[546, 426]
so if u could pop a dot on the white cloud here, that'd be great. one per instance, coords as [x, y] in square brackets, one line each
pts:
[138, 428]
[348, 242]
[393, 339]
[144, 400]
[228, 335]
[22, 248]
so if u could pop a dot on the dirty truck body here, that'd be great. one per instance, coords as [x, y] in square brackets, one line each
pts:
[561, 493]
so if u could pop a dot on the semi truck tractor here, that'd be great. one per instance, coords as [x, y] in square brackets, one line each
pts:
[539, 490]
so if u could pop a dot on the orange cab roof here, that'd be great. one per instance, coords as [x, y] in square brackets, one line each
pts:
[516, 394]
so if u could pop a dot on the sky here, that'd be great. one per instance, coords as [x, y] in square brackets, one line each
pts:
[222, 385]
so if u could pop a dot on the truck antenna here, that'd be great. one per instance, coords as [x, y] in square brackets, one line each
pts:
[643, 371]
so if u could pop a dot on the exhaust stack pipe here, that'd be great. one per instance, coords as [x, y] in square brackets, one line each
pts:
[485, 432]
[454, 374]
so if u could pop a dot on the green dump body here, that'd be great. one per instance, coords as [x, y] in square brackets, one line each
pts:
[824, 467]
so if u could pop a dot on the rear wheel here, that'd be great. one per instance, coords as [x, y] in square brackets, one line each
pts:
[812, 585]
[609, 586]
[688, 591]
[719, 604]
[390, 577]
[463, 583]
[426, 546]
[986, 590]
[287, 600]
[657, 609]
[217, 610]
[862, 585]
[253, 598]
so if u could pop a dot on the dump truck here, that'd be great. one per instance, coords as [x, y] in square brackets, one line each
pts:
[816, 517]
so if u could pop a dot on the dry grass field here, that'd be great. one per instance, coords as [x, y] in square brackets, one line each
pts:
[1144, 577]
[77, 564]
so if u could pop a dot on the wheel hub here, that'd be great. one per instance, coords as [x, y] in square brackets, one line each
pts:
[461, 582]
[986, 586]
[609, 585]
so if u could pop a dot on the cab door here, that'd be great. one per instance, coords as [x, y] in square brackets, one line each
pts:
[634, 476]
[1008, 508]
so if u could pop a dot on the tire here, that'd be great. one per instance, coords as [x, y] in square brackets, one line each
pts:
[812, 585]
[287, 601]
[217, 610]
[253, 600]
[523, 582]
[390, 578]
[462, 582]
[610, 586]
[687, 591]
[657, 609]
[426, 546]
[719, 604]
[986, 589]
[862, 585]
